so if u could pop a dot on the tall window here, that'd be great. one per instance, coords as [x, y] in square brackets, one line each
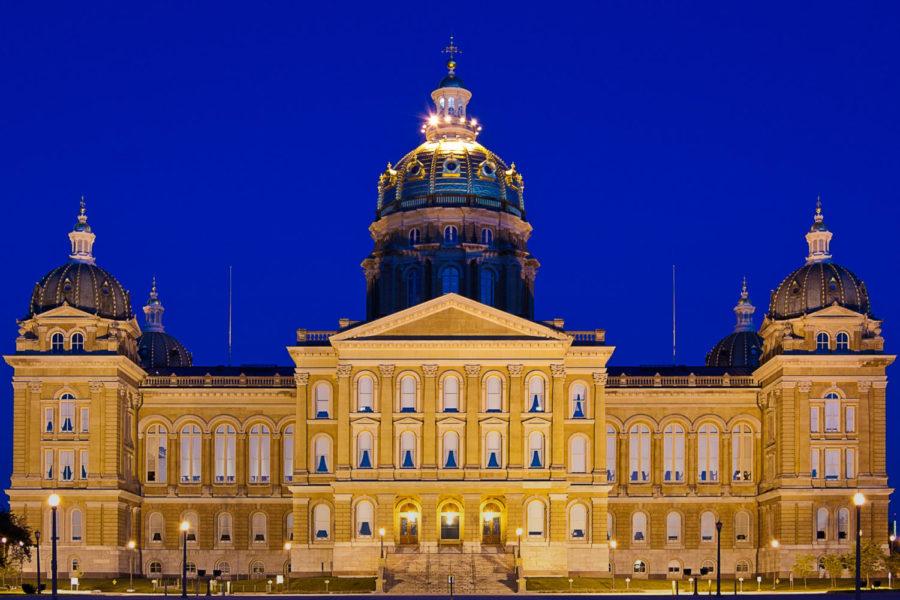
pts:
[289, 527]
[323, 454]
[48, 464]
[814, 419]
[814, 471]
[742, 453]
[850, 419]
[322, 522]
[258, 528]
[259, 454]
[407, 450]
[85, 419]
[408, 394]
[578, 401]
[577, 521]
[156, 527]
[707, 527]
[822, 341]
[850, 464]
[83, 464]
[610, 453]
[414, 236]
[639, 527]
[77, 342]
[843, 523]
[365, 517]
[157, 442]
[535, 518]
[67, 413]
[225, 443]
[323, 401]
[832, 413]
[57, 343]
[66, 465]
[488, 283]
[610, 526]
[708, 453]
[287, 453]
[451, 450]
[494, 395]
[450, 393]
[364, 450]
[578, 454]
[536, 394]
[48, 419]
[639, 452]
[76, 523]
[190, 454]
[224, 527]
[741, 526]
[822, 524]
[413, 287]
[842, 341]
[365, 392]
[487, 236]
[536, 450]
[451, 234]
[449, 280]
[673, 453]
[673, 527]
[832, 463]
[493, 450]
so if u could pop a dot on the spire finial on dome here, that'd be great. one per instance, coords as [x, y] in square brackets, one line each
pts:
[451, 49]
[744, 310]
[153, 310]
[451, 98]
[818, 238]
[82, 238]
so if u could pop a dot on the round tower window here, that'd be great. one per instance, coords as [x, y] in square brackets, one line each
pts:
[488, 170]
[414, 170]
[451, 165]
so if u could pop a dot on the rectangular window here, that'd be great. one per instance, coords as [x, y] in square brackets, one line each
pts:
[48, 464]
[610, 455]
[48, 419]
[85, 420]
[289, 457]
[832, 464]
[850, 420]
[83, 461]
[67, 415]
[850, 467]
[814, 463]
[814, 419]
[832, 416]
[66, 465]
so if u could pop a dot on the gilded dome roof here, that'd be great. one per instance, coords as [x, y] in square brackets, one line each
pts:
[816, 286]
[86, 287]
[158, 349]
[737, 349]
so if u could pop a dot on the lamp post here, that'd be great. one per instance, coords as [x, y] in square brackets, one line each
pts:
[612, 562]
[718, 558]
[3, 541]
[858, 499]
[53, 501]
[774, 544]
[37, 547]
[381, 537]
[131, 546]
[287, 576]
[184, 533]
[519, 542]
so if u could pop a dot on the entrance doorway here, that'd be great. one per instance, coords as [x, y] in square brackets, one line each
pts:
[490, 525]
[450, 517]
[409, 525]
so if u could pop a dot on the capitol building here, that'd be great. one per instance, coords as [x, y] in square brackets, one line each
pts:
[450, 421]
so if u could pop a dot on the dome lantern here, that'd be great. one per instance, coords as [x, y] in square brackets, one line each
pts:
[153, 311]
[744, 310]
[742, 347]
[82, 238]
[451, 98]
[818, 238]
[156, 348]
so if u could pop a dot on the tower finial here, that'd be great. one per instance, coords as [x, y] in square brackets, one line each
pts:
[744, 310]
[818, 238]
[153, 310]
[81, 237]
[451, 49]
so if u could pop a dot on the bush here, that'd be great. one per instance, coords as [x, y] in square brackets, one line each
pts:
[28, 588]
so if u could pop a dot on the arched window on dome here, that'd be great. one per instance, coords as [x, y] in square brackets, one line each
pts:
[487, 287]
[78, 342]
[842, 341]
[57, 343]
[450, 280]
[451, 234]
[822, 341]
[413, 287]
[415, 236]
[487, 236]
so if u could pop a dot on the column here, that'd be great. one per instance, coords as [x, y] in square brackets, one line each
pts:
[301, 525]
[557, 429]
[514, 518]
[598, 521]
[342, 519]
[801, 429]
[516, 399]
[558, 517]
[473, 407]
[429, 520]
[301, 459]
[471, 534]
[429, 442]
[384, 517]
[599, 414]
[342, 470]
[386, 434]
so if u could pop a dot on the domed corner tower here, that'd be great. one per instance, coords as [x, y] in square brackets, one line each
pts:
[156, 348]
[743, 346]
[450, 218]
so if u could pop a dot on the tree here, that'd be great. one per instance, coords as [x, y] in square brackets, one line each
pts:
[834, 564]
[804, 564]
[18, 540]
[872, 560]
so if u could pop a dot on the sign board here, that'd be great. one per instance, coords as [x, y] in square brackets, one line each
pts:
[279, 579]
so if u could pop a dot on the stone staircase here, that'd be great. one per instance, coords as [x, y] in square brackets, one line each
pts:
[419, 572]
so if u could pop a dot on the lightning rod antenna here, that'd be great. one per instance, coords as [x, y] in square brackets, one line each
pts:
[229, 313]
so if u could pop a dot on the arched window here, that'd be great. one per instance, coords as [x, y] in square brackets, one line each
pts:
[708, 453]
[822, 341]
[450, 280]
[323, 454]
[76, 525]
[365, 517]
[408, 394]
[639, 452]
[673, 453]
[155, 527]
[257, 570]
[536, 450]
[535, 519]
[742, 568]
[843, 523]
[289, 527]
[639, 527]
[191, 448]
[451, 234]
[413, 287]
[321, 522]
[224, 567]
[742, 526]
[364, 450]
[323, 401]
[577, 521]
[77, 342]
[258, 528]
[674, 568]
[414, 236]
[710, 567]
[365, 394]
[673, 527]
[488, 283]
[493, 395]
[287, 453]
[822, 518]
[157, 442]
[610, 527]
[225, 439]
[57, 343]
[407, 450]
[639, 567]
[259, 454]
[450, 394]
[742, 453]
[536, 394]
[842, 341]
[832, 413]
[67, 413]
[707, 527]
[578, 395]
[577, 454]
[155, 567]
[191, 533]
[493, 450]
[610, 453]
[487, 236]
[224, 528]
[451, 450]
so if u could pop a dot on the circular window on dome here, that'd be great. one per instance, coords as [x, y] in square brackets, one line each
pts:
[451, 167]
[415, 170]
[488, 170]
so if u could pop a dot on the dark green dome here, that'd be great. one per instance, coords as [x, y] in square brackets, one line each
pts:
[451, 80]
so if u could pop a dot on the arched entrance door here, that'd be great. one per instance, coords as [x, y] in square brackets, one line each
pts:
[409, 525]
[490, 525]
[450, 526]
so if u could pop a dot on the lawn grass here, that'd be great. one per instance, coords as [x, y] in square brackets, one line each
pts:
[297, 585]
[604, 584]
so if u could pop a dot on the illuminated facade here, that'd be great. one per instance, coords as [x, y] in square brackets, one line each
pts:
[450, 418]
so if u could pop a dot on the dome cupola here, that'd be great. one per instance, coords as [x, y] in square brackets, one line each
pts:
[156, 348]
[742, 347]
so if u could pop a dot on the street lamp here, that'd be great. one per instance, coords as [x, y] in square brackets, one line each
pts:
[53, 501]
[519, 542]
[37, 546]
[131, 546]
[184, 527]
[381, 537]
[718, 558]
[612, 562]
[858, 499]
[774, 544]
[287, 579]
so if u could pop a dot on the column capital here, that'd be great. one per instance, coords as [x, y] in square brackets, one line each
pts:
[599, 378]
[864, 386]
[96, 385]
[35, 386]
[558, 370]
[301, 379]
[514, 370]
[343, 370]
[386, 370]
[430, 370]
[804, 386]
[472, 370]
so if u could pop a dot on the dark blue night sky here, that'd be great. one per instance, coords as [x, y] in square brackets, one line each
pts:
[213, 134]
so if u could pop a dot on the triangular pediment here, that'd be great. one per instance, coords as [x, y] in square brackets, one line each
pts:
[835, 310]
[451, 317]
